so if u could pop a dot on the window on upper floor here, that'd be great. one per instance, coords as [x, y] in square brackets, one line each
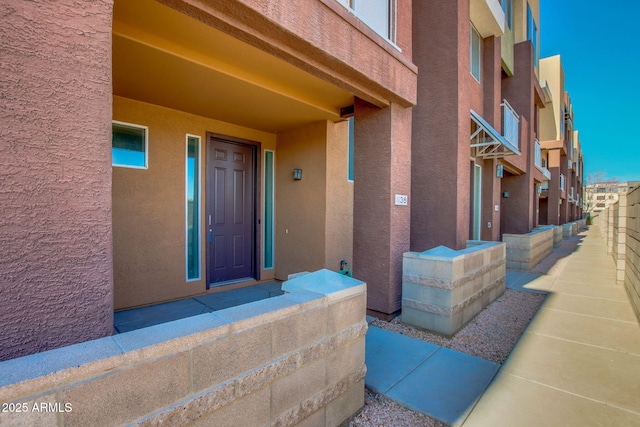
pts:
[507, 7]
[377, 14]
[532, 34]
[476, 52]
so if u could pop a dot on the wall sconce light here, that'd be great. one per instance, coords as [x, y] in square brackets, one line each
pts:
[505, 194]
[297, 174]
[500, 171]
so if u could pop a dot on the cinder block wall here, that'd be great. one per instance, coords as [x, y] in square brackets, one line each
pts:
[294, 358]
[524, 251]
[632, 264]
[619, 238]
[610, 222]
[557, 236]
[443, 289]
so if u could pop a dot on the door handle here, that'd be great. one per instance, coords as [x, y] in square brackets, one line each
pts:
[210, 236]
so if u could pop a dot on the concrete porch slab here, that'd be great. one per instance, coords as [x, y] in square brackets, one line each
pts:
[142, 317]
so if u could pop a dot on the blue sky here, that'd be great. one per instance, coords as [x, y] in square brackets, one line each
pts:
[598, 43]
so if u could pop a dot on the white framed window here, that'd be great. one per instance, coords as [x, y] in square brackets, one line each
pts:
[476, 52]
[379, 15]
[129, 145]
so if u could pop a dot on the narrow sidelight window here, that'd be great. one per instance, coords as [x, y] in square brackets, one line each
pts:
[193, 207]
[268, 209]
[350, 172]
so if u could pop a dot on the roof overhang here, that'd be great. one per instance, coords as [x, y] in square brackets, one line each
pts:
[488, 142]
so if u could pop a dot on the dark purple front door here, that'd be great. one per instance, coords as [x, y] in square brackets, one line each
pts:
[230, 216]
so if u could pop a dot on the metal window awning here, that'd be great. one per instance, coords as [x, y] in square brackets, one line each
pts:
[488, 142]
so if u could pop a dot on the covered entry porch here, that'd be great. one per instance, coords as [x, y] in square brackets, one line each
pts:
[207, 93]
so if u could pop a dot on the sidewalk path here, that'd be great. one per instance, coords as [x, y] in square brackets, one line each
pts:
[578, 362]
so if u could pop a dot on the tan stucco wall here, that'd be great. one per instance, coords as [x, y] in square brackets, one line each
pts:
[149, 205]
[314, 216]
[339, 206]
[550, 116]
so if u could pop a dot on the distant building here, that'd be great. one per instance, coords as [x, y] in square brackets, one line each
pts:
[598, 196]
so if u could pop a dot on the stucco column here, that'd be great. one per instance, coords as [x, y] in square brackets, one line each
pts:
[380, 227]
[56, 276]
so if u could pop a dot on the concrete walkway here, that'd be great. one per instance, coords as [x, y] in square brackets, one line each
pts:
[578, 362]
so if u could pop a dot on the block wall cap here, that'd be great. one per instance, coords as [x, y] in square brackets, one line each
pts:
[325, 282]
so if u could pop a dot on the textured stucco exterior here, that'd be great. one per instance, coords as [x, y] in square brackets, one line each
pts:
[55, 167]
[439, 133]
[318, 36]
[447, 92]
[73, 227]
[380, 228]
[314, 222]
[523, 92]
[149, 205]
[562, 144]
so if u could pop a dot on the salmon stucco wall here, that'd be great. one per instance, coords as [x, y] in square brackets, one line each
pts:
[439, 142]
[149, 204]
[55, 175]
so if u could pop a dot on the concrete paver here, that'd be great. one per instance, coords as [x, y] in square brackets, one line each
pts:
[436, 381]
[446, 385]
[390, 357]
[578, 363]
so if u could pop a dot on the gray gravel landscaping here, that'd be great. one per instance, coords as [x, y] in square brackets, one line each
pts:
[491, 335]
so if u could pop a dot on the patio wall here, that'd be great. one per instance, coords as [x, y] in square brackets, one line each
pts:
[443, 289]
[524, 251]
[632, 248]
[557, 236]
[572, 228]
[284, 360]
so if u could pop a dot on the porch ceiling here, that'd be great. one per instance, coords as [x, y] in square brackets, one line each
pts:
[163, 57]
